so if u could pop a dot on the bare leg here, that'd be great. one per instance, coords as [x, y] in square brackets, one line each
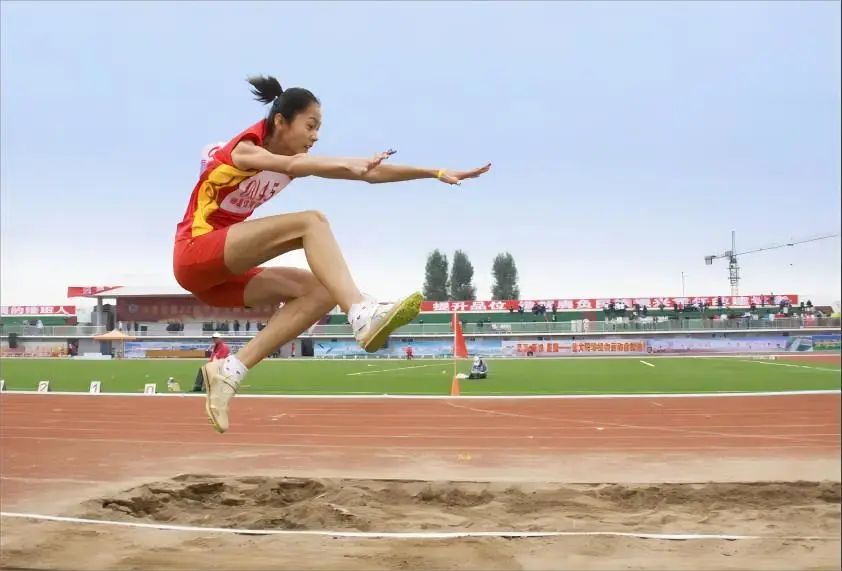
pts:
[309, 301]
[254, 242]
[308, 296]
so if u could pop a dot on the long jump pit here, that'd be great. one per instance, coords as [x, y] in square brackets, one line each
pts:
[645, 482]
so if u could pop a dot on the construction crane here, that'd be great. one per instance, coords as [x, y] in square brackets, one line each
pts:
[733, 266]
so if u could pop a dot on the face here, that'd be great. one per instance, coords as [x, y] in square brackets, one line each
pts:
[300, 134]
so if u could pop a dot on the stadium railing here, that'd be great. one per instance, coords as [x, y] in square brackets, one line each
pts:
[573, 327]
[471, 329]
[69, 331]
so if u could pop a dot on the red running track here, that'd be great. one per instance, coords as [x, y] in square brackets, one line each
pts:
[53, 447]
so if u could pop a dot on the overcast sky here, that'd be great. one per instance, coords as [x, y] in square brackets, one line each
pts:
[628, 139]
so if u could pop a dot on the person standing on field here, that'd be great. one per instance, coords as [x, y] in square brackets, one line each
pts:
[218, 351]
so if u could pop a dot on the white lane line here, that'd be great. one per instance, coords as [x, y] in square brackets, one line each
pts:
[408, 535]
[501, 397]
[390, 370]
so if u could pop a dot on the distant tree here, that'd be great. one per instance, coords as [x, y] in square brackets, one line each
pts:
[461, 278]
[435, 281]
[504, 272]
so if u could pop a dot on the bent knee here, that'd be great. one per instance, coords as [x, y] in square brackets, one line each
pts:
[314, 217]
[305, 284]
[320, 294]
[315, 291]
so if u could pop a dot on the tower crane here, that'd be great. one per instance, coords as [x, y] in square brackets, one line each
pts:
[733, 265]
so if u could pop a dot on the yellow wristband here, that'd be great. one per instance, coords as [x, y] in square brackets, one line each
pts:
[440, 174]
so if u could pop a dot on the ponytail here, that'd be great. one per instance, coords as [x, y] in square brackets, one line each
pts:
[265, 88]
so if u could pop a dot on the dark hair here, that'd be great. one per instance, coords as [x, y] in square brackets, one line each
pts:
[288, 103]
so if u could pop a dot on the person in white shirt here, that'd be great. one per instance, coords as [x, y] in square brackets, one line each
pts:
[479, 370]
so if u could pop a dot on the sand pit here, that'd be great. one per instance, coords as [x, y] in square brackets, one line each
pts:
[401, 505]
[769, 467]
[767, 509]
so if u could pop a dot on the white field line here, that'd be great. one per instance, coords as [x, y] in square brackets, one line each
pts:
[370, 396]
[391, 370]
[410, 535]
[792, 365]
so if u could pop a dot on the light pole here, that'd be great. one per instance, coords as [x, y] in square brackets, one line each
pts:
[683, 275]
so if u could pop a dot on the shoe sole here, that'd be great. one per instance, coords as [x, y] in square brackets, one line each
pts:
[208, 409]
[400, 315]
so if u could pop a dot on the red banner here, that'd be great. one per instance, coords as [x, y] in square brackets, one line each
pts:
[83, 291]
[162, 308]
[36, 310]
[596, 304]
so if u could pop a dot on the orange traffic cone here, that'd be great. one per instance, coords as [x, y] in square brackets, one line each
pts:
[460, 350]
[454, 387]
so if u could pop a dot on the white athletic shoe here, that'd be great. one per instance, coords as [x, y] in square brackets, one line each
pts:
[373, 322]
[221, 388]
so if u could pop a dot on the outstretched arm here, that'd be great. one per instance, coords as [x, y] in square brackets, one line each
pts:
[248, 156]
[397, 173]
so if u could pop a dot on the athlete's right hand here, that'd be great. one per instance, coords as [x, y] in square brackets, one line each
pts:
[361, 167]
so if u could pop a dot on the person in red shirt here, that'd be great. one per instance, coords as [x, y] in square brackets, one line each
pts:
[218, 251]
[218, 351]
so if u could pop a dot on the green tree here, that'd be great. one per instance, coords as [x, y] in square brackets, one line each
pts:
[435, 281]
[504, 272]
[461, 278]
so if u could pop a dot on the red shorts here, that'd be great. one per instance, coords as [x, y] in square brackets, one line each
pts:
[199, 267]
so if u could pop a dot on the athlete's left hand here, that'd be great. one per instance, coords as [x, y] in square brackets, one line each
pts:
[455, 177]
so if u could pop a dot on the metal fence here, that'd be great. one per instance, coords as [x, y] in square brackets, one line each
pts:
[69, 331]
[473, 329]
[574, 327]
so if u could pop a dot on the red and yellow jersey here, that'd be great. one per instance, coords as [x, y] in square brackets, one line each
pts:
[226, 195]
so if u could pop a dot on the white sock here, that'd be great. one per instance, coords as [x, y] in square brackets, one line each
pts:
[356, 310]
[234, 367]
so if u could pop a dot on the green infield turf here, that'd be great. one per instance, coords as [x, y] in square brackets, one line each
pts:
[433, 377]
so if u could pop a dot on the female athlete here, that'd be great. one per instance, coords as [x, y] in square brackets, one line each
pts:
[218, 251]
